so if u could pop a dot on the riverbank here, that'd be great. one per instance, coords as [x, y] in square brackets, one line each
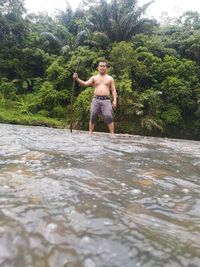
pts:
[11, 116]
[14, 116]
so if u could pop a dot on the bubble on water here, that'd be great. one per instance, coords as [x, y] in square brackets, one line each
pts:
[107, 223]
[185, 190]
[136, 191]
[89, 263]
[197, 163]
[51, 227]
[123, 184]
[85, 239]
[6, 187]
[165, 196]
[88, 212]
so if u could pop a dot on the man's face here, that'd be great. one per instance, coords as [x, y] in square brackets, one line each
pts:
[102, 67]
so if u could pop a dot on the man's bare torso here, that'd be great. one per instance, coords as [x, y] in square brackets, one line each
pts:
[102, 84]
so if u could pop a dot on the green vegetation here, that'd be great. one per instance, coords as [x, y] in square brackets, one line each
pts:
[13, 116]
[156, 67]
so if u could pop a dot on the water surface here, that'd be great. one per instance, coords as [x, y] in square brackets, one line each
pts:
[74, 200]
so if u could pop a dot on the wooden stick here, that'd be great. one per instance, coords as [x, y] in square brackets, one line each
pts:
[72, 97]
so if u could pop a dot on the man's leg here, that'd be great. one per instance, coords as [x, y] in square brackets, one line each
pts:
[91, 127]
[111, 128]
[107, 112]
[94, 112]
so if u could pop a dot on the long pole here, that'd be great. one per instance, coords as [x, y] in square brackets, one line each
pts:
[72, 97]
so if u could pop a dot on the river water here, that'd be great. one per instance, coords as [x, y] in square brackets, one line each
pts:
[74, 200]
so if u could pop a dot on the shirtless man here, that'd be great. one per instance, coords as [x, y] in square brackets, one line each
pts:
[103, 85]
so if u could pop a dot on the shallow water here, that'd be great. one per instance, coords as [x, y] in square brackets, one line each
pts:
[74, 200]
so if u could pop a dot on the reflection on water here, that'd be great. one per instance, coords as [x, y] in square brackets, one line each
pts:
[74, 200]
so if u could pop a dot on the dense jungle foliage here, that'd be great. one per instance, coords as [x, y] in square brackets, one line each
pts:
[156, 67]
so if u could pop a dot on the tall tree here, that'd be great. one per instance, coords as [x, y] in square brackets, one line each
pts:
[14, 30]
[12, 6]
[119, 19]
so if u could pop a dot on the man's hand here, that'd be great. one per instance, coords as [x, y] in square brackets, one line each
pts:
[114, 104]
[75, 76]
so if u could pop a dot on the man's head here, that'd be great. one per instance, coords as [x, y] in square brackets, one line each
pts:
[102, 67]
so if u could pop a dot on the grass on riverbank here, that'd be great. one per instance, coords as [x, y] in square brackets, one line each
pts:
[16, 117]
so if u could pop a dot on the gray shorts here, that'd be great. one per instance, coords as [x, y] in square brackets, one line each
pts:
[101, 106]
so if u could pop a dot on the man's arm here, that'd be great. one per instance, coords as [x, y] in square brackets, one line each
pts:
[81, 82]
[114, 93]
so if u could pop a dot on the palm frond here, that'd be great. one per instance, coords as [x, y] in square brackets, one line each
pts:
[50, 37]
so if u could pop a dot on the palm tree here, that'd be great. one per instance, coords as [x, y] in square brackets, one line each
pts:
[119, 19]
